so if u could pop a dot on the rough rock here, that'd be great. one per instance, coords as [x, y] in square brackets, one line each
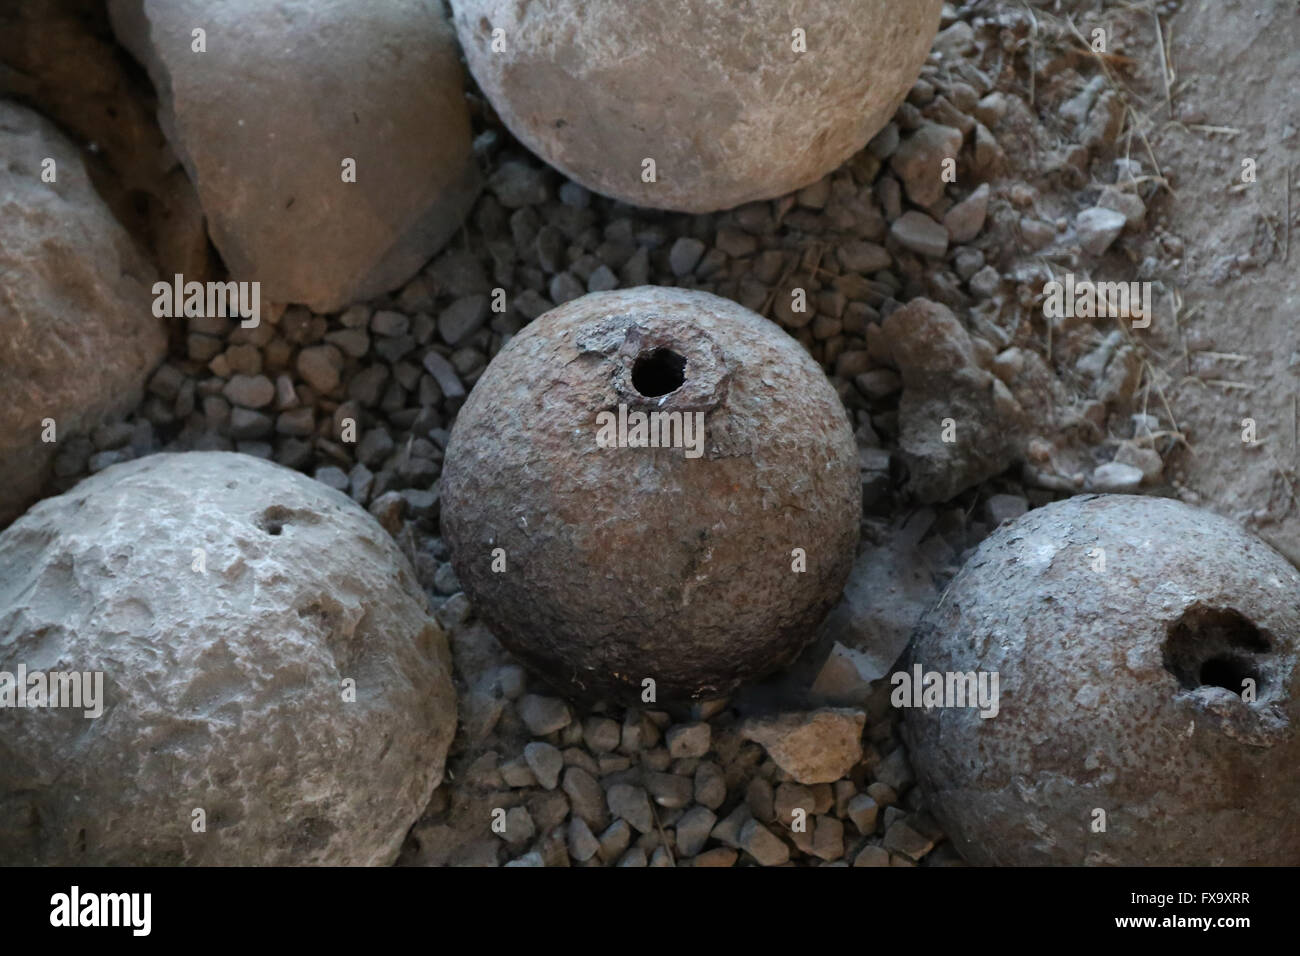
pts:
[888, 590]
[226, 601]
[947, 395]
[584, 86]
[1098, 227]
[818, 746]
[385, 90]
[919, 161]
[776, 470]
[1135, 621]
[78, 337]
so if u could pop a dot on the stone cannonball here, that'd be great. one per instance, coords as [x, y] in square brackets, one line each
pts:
[78, 338]
[272, 689]
[732, 101]
[698, 564]
[1148, 692]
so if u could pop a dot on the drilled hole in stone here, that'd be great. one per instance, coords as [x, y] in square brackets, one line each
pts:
[274, 519]
[1228, 672]
[1213, 647]
[658, 372]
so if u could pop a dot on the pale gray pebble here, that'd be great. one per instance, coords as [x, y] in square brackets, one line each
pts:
[615, 840]
[546, 762]
[710, 785]
[984, 283]
[863, 812]
[919, 233]
[445, 580]
[332, 476]
[689, 740]
[693, 830]
[444, 374]
[634, 857]
[601, 734]
[602, 279]
[660, 857]
[564, 287]
[685, 255]
[872, 855]
[517, 773]
[631, 804]
[386, 322]
[582, 843]
[519, 826]
[585, 795]
[462, 319]
[298, 422]
[531, 858]
[764, 846]
[543, 715]
[669, 789]
[248, 391]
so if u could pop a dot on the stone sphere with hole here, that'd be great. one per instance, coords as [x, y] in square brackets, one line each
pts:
[1147, 705]
[652, 485]
[730, 102]
[266, 686]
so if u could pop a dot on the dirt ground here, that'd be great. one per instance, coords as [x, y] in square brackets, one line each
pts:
[1233, 356]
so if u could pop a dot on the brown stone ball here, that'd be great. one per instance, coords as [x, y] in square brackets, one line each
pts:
[602, 564]
[732, 101]
[1123, 630]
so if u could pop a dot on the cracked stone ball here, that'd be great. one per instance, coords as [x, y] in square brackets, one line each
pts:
[601, 563]
[1146, 654]
[224, 601]
[720, 96]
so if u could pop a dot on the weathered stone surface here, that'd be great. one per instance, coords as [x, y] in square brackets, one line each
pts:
[626, 563]
[60, 54]
[78, 337]
[959, 424]
[584, 85]
[222, 687]
[316, 85]
[820, 746]
[1120, 686]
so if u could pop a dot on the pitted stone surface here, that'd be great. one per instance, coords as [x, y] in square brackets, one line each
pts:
[223, 687]
[78, 337]
[623, 564]
[1113, 623]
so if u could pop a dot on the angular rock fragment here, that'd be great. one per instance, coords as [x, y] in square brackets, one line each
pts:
[286, 101]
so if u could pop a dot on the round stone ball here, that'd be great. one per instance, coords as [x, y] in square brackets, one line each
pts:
[732, 102]
[78, 337]
[272, 689]
[603, 561]
[1147, 692]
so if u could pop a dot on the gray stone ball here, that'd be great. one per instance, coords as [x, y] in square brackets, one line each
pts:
[715, 93]
[226, 601]
[1122, 629]
[601, 567]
